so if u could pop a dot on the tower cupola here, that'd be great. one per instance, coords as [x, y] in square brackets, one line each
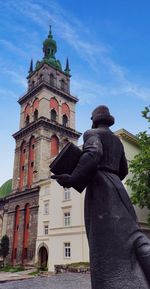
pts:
[49, 46]
[50, 49]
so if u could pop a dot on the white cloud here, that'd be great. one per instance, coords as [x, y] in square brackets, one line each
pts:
[96, 54]
[5, 93]
[16, 77]
[14, 48]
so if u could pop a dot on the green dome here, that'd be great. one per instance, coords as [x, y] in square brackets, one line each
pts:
[49, 46]
[6, 188]
[50, 42]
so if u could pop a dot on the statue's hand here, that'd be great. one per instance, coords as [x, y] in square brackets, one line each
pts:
[64, 180]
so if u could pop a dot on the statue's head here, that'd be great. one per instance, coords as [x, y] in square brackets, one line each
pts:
[101, 115]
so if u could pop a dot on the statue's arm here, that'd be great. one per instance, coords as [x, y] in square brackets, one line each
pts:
[86, 168]
[92, 152]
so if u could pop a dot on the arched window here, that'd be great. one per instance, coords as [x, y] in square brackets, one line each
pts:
[65, 114]
[65, 109]
[26, 232]
[54, 146]
[53, 115]
[35, 116]
[54, 104]
[35, 104]
[51, 79]
[65, 120]
[62, 84]
[22, 163]
[31, 160]
[35, 107]
[15, 234]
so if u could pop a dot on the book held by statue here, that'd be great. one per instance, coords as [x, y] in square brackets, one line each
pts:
[66, 160]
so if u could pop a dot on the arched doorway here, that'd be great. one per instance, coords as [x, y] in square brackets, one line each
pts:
[43, 257]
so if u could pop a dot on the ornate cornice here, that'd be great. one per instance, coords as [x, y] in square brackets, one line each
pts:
[25, 193]
[46, 123]
[124, 134]
[54, 89]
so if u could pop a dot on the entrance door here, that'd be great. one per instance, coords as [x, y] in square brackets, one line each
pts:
[43, 257]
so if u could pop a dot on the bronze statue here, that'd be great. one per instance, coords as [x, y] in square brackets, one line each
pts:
[119, 251]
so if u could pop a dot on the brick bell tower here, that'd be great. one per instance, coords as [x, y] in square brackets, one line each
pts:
[47, 122]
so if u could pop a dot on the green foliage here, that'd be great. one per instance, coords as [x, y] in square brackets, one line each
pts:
[140, 169]
[6, 188]
[4, 246]
[12, 269]
[79, 264]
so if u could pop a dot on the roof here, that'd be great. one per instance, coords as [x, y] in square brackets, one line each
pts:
[6, 188]
[127, 135]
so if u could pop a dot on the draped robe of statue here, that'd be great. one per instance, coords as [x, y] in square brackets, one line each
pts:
[113, 233]
[119, 251]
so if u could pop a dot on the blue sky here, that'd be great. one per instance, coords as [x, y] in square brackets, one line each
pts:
[108, 46]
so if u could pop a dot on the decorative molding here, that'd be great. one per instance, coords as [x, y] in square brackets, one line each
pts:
[25, 193]
[46, 123]
[52, 89]
[128, 136]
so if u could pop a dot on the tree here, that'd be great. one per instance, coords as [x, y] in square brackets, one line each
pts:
[4, 246]
[140, 169]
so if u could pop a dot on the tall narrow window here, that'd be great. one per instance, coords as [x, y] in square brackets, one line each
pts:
[62, 84]
[15, 235]
[67, 219]
[53, 115]
[35, 116]
[65, 120]
[67, 250]
[54, 146]
[65, 114]
[26, 232]
[27, 120]
[46, 208]
[66, 194]
[27, 114]
[22, 163]
[51, 79]
[32, 84]
[45, 229]
[35, 107]
[54, 104]
[31, 160]
[40, 78]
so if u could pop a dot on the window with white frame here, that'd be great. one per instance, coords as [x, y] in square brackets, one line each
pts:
[67, 219]
[66, 194]
[67, 250]
[46, 208]
[45, 229]
[46, 190]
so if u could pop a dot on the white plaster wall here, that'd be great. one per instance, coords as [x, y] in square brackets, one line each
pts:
[56, 249]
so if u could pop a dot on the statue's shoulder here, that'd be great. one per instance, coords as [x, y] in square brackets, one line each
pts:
[89, 133]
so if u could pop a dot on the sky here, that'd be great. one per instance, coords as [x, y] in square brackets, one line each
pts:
[107, 43]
